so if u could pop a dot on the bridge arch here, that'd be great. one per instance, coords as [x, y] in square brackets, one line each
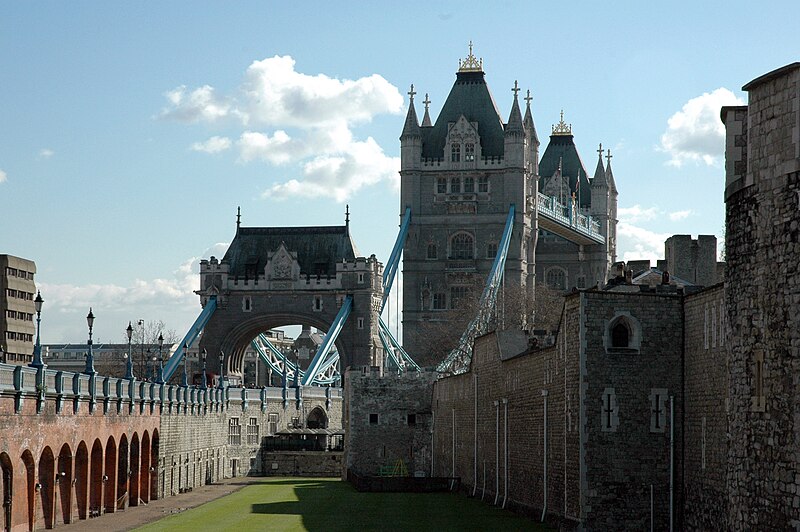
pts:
[144, 469]
[64, 475]
[81, 478]
[134, 469]
[46, 486]
[122, 467]
[6, 486]
[110, 476]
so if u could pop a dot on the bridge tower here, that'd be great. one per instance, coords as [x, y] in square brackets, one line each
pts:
[459, 176]
[277, 276]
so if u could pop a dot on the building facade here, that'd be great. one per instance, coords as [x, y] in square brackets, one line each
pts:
[17, 309]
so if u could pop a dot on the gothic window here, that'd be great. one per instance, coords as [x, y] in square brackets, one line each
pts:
[457, 296]
[273, 423]
[556, 278]
[469, 185]
[483, 184]
[491, 250]
[461, 246]
[439, 301]
[620, 335]
[455, 153]
[441, 186]
[455, 185]
[469, 151]
[623, 334]
[431, 251]
[247, 304]
[317, 303]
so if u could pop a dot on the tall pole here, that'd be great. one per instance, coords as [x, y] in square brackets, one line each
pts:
[37, 349]
[160, 377]
[129, 364]
[221, 369]
[205, 378]
[185, 381]
[90, 357]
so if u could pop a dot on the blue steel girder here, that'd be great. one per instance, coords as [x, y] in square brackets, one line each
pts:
[566, 222]
[390, 270]
[405, 360]
[275, 359]
[458, 360]
[327, 344]
[194, 331]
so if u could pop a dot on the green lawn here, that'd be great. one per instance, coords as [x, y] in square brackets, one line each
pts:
[331, 504]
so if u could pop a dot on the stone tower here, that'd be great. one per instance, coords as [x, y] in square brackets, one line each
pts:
[762, 196]
[459, 175]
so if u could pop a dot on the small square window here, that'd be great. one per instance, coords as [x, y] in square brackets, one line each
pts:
[412, 419]
[360, 323]
[373, 419]
[360, 277]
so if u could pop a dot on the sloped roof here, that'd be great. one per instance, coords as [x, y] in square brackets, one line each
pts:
[563, 147]
[318, 248]
[470, 97]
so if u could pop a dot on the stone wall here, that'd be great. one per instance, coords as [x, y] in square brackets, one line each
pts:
[705, 437]
[388, 420]
[763, 282]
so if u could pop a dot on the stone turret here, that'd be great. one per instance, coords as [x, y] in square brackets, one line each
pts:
[533, 138]
[612, 209]
[411, 138]
[514, 145]
[600, 194]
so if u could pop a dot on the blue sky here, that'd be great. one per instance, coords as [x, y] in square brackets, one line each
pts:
[130, 132]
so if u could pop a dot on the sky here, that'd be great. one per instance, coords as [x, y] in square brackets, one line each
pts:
[130, 132]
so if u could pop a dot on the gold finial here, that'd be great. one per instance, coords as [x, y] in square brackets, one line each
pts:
[470, 64]
[562, 128]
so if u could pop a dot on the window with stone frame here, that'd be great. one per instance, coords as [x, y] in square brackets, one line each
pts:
[439, 301]
[432, 252]
[462, 246]
[458, 294]
[234, 431]
[441, 186]
[252, 431]
[272, 419]
[623, 334]
[491, 250]
[455, 153]
[469, 185]
[556, 278]
[469, 151]
[455, 185]
[483, 184]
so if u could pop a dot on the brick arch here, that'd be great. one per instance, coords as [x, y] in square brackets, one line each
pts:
[110, 476]
[6, 489]
[134, 468]
[81, 480]
[144, 469]
[154, 456]
[238, 338]
[47, 471]
[28, 486]
[96, 479]
[122, 467]
[64, 482]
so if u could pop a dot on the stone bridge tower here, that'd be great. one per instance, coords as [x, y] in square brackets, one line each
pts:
[276, 276]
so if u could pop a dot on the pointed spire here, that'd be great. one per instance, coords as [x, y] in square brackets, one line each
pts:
[515, 118]
[599, 172]
[528, 120]
[612, 187]
[238, 218]
[426, 120]
[347, 218]
[411, 127]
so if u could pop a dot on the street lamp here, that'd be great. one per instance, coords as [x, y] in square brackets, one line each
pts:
[205, 379]
[144, 361]
[160, 378]
[37, 349]
[185, 381]
[221, 368]
[129, 364]
[90, 357]
[153, 370]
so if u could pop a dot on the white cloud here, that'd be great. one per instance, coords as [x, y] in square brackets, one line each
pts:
[307, 121]
[637, 213]
[3, 176]
[213, 145]
[637, 243]
[46, 153]
[679, 215]
[695, 133]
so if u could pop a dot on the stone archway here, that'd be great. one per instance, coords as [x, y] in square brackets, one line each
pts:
[46, 486]
[134, 469]
[81, 480]
[317, 419]
[28, 491]
[122, 470]
[64, 482]
[6, 486]
[96, 480]
[144, 469]
[110, 477]
[154, 465]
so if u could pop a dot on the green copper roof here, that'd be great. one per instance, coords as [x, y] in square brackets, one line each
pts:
[470, 97]
[563, 147]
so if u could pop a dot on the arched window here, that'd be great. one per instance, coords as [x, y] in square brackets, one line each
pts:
[461, 246]
[455, 153]
[620, 335]
[458, 294]
[469, 151]
[469, 185]
[491, 250]
[431, 251]
[455, 185]
[556, 278]
[441, 186]
[623, 334]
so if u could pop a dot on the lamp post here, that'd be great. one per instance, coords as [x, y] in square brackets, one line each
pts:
[160, 377]
[90, 357]
[129, 362]
[145, 362]
[205, 378]
[296, 367]
[221, 369]
[37, 349]
[153, 370]
[185, 380]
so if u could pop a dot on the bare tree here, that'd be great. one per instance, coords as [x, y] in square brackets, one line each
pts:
[144, 345]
